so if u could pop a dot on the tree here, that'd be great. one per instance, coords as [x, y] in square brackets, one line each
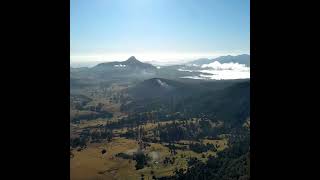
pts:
[141, 160]
[103, 151]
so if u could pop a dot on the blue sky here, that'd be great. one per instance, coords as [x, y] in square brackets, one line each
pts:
[158, 29]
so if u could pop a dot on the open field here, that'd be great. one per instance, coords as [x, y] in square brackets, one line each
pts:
[90, 163]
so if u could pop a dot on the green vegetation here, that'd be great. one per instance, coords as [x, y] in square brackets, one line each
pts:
[135, 129]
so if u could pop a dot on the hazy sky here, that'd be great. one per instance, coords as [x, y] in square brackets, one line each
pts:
[158, 30]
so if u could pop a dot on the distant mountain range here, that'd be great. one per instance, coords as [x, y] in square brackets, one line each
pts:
[133, 69]
[241, 59]
[129, 69]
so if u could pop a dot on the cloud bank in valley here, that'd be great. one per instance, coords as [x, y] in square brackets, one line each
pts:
[226, 66]
[220, 71]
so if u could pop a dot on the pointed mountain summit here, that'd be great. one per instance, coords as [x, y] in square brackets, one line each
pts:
[131, 62]
[134, 63]
[132, 58]
[130, 68]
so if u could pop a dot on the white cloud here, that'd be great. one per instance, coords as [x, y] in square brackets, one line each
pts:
[225, 74]
[219, 71]
[226, 66]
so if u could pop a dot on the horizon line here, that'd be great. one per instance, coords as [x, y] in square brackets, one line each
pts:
[148, 57]
[92, 60]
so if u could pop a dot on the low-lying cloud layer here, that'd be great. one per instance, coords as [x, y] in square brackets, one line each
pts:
[226, 66]
[220, 71]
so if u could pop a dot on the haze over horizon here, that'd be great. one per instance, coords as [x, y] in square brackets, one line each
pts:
[158, 31]
[155, 59]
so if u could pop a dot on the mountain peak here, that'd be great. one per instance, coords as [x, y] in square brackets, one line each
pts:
[131, 63]
[132, 58]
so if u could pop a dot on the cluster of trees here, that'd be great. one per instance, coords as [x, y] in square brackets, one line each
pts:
[171, 132]
[131, 121]
[92, 136]
[78, 142]
[130, 134]
[168, 160]
[230, 164]
[141, 159]
[79, 101]
[97, 136]
[178, 131]
[135, 133]
[173, 148]
[184, 130]
[200, 129]
[118, 97]
[124, 156]
[200, 148]
[90, 116]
